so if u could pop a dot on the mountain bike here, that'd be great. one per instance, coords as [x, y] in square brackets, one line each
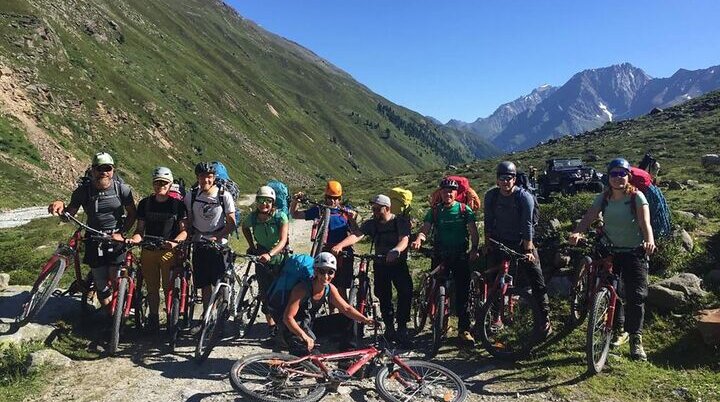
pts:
[508, 322]
[248, 302]
[361, 292]
[274, 377]
[65, 255]
[182, 297]
[320, 227]
[128, 291]
[432, 301]
[223, 302]
[602, 285]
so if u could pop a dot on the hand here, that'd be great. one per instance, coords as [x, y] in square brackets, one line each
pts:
[56, 208]
[416, 244]
[169, 245]
[474, 254]
[336, 250]
[118, 237]
[370, 321]
[310, 343]
[649, 247]
[299, 196]
[574, 238]
[130, 241]
[265, 257]
[530, 256]
[353, 214]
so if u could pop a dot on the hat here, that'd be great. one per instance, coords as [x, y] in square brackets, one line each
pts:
[102, 158]
[381, 199]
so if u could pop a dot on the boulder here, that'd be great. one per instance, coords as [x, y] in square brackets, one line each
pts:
[710, 160]
[687, 240]
[4, 281]
[675, 293]
[674, 185]
[686, 214]
[708, 324]
[692, 183]
[47, 357]
[711, 280]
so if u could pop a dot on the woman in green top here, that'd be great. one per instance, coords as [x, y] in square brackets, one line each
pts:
[266, 231]
[628, 230]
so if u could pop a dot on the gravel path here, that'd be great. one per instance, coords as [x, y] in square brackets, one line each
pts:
[19, 217]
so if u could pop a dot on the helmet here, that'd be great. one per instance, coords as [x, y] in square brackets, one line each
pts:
[618, 163]
[449, 183]
[204, 167]
[102, 158]
[266, 191]
[333, 188]
[325, 260]
[506, 167]
[162, 173]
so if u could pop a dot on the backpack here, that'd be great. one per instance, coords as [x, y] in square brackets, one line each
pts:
[518, 200]
[465, 194]
[282, 196]
[177, 189]
[86, 180]
[401, 201]
[224, 183]
[297, 268]
[660, 219]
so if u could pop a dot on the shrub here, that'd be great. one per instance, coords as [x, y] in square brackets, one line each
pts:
[670, 257]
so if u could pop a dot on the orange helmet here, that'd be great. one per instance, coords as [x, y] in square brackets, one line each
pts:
[333, 189]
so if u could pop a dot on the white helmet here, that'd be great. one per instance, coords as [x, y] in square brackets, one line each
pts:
[162, 173]
[266, 191]
[325, 260]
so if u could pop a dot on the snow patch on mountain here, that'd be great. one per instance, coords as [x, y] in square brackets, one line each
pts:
[605, 110]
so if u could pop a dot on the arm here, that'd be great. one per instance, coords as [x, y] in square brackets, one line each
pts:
[230, 225]
[346, 309]
[280, 246]
[590, 215]
[139, 230]
[297, 294]
[643, 214]
[247, 233]
[421, 236]
[130, 212]
[294, 207]
[348, 241]
[182, 232]
[474, 239]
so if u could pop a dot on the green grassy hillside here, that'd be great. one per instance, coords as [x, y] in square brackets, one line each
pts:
[175, 82]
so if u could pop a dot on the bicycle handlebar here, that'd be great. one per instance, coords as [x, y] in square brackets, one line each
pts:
[82, 225]
[306, 200]
[507, 249]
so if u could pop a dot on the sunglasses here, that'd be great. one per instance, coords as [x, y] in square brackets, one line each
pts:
[160, 183]
[376, 206]
[104, 168]
[330, 197]
[329, 271]
[618, 173]
[264, 200]
[507, 177]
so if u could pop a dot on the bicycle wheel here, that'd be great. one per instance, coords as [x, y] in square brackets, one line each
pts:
[322, 233]
[213, 323]
[266, 377]
[599, 333]
[579, 292]
[476, 297]
[174, 317]
[118, 315]
[507, 324]
[87, 298]
[357, 300]
[419, 306]
[141, 306]
[41, 291]
[437, 383]
[190, 299]
[248, 307]
[438, 327]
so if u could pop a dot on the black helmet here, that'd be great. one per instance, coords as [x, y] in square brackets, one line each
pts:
[506, 167]
[449, 183]
[204, 167]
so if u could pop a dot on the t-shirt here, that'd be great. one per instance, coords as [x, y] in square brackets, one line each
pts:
[619, 224]
[338, 227]
[386, 235]
[104, 208]
[450, 226]
[503, 220]
[161, 218]
[206, 214]
[266, 234]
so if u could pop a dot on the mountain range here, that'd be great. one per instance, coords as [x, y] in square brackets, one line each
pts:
[587, 101]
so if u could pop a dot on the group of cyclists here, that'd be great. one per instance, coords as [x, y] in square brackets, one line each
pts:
[207, 213]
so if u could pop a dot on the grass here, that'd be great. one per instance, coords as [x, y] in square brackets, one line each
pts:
[15, 382]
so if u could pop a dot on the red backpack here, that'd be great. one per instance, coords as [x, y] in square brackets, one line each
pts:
[465, 194]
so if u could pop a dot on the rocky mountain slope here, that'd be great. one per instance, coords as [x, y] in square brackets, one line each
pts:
[175, 82]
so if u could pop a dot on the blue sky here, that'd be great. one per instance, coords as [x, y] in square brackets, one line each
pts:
[461, 59]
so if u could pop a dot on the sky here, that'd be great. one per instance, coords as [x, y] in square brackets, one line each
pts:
[462, 59]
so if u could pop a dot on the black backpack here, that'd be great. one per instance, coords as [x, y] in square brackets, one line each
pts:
[522, 183]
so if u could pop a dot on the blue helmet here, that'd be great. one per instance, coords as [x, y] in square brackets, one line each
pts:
[618, 163]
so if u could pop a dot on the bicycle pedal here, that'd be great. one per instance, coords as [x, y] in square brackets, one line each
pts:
[339, 376]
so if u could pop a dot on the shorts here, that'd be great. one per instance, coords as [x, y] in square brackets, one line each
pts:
[208, 266]
[344, 275]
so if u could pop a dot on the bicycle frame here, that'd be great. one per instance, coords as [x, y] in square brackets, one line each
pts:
[126, 270]
[184, 272]
[600, 276]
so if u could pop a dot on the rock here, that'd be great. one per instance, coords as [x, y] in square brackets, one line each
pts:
[711, 280]
[676, 292]
[559, 285]
[561, 260]
[27, 333]
[687, 240]
[555, 224]
[692, 183]
[656, 110]
[4, 281]
[708, 324]
[49, 357]
[710, 160]
[686, 214]
[701, 217]
[674, 185]
[592, 158]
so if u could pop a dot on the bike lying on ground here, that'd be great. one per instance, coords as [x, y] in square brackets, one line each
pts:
[273, 377]
[508, 322]
[45, 285]
[226, 301]
[432, 301]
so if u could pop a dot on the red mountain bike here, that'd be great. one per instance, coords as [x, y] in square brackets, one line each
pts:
[361, 292]
[278, 377]
[432, 302]
[508, 322]
[181, 299]
[65, 255]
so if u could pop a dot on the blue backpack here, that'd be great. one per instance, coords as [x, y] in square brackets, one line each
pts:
[297, 268]
[224, 183]
[282, 196]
